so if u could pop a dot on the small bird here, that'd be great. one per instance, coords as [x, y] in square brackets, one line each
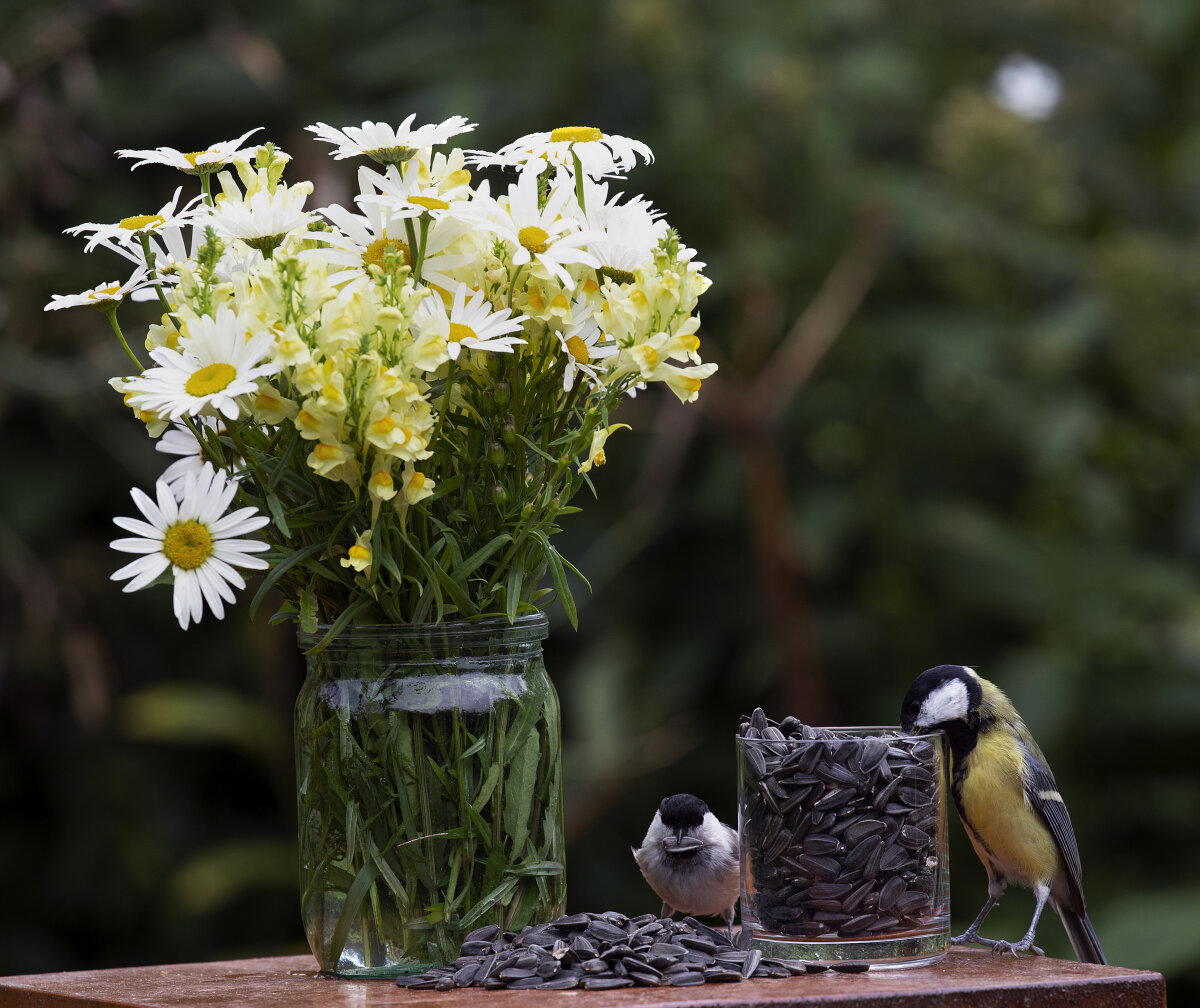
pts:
[1007, 801]
[690, 859]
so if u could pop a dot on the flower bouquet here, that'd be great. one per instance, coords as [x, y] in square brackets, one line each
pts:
[388, 408]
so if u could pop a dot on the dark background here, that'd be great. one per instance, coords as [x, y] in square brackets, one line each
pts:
[958, 420]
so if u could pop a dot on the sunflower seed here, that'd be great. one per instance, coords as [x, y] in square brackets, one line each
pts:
[606, 983]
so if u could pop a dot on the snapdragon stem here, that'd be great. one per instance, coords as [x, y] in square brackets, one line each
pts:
[116, 327]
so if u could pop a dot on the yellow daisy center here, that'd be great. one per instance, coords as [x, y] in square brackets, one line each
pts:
[460, 332]
[578, 349]
[429, 202]
[211, 379]
[104, 293]
[533, 238]
[140, 222]
[208, 167]
[575, 134]
[377, 252]
[188, 544]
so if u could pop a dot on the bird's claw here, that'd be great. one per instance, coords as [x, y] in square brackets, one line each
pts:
[998, 946]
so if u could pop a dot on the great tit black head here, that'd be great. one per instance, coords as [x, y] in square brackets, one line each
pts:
[944, 698]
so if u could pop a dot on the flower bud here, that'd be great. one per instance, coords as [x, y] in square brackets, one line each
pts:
[501, 393]
[496, 454]
[499, 496]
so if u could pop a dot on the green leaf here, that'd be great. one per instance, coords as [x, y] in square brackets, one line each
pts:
[536, 868]
[512, 598]
[501, 892]
[278, 570]
[559, 577]
[472, 563]
[340, 624]
[308, 611]
[349, 914]
[518, 791]
[275, 506]
[486, 788]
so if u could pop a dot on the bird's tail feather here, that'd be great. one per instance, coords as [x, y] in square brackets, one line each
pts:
[1082, 934]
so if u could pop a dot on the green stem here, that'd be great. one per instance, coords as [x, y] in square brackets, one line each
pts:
[116, 327]
[578, 180]
[512, 284]
[412, 247]
[424, 237]
[151, 258]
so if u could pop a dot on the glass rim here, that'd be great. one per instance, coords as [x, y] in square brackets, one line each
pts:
[526, 629]
[859, 731]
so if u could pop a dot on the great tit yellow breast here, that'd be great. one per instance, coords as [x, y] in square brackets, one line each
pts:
[1005, 829]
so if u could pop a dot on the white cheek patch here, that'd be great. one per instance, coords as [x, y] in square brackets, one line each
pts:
[949, 702]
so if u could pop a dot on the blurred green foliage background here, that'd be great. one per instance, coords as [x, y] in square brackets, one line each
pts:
[958, 420]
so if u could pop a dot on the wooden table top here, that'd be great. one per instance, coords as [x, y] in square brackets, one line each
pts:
[964, 979]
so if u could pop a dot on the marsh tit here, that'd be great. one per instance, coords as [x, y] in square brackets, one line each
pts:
[690, 859]
[1008, 802]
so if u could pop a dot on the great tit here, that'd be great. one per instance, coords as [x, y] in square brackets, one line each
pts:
[1008, 802]
[690, 859]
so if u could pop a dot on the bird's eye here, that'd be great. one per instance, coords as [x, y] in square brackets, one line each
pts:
[913, 707]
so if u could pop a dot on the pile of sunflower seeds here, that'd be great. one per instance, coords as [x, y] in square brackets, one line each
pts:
[842, 834]
[601, 951]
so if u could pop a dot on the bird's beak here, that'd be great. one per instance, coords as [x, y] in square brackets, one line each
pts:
[680, 844]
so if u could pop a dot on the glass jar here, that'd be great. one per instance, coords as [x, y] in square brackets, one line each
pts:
[844, 846]
[429, 791]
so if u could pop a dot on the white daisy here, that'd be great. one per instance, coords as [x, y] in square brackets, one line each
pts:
[179, 440]
[196, 540]
[626, 233]
[403, 192]
[128, 231]
[197, 162]
[386, 144]
[472, 322]
[539, 234]
[583, 345]
[105, 296]
[599, 154]
[367, 239]
[263, 218]
[216, 363]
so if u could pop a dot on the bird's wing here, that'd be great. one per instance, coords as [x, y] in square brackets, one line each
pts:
[1042, 792]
